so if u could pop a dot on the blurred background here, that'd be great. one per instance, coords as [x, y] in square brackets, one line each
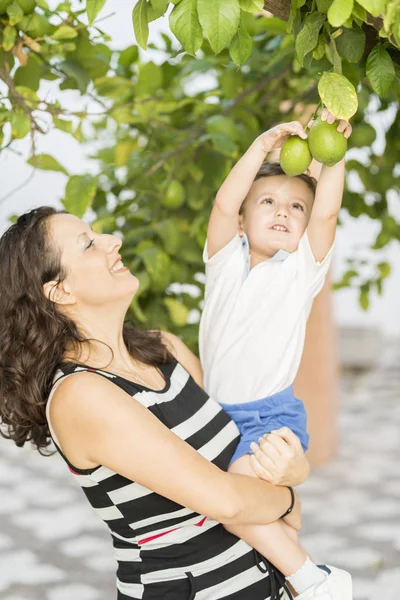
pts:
[51, 546]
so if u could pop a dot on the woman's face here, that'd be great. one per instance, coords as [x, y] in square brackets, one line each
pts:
[95, 274]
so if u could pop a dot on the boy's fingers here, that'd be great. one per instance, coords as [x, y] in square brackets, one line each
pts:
[310, 123]
[342, 125]
[258, 470]
[348, 131]
[324, 114]
[330, 118]
[287, 434]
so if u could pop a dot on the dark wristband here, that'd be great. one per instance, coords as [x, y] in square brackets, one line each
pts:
[289, 510]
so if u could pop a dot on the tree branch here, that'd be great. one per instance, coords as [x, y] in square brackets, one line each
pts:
[19, 100]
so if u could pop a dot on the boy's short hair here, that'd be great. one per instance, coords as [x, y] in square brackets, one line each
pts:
[268, 169]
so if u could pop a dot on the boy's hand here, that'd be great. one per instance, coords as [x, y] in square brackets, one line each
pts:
[279, 458]
[277, 136]
[343, 126]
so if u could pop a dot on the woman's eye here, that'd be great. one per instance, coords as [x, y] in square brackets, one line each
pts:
[90, 244]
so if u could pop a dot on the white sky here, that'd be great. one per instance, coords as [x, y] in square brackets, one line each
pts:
[47, 187]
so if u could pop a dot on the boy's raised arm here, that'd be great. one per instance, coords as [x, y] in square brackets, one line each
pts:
[328, 200]
[224, 219]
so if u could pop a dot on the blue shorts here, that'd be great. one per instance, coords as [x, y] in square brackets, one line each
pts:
[253, 419]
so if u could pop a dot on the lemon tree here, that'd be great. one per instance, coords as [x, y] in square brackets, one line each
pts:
[161, 153]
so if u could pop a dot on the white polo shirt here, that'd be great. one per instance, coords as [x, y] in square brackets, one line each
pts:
[253, 324]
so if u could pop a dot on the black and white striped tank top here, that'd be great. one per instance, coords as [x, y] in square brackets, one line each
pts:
[164, 550]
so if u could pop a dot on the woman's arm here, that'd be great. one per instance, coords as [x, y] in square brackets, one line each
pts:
[184, 356]
[98, 423]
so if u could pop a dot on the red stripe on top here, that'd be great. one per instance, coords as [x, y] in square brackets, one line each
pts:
[154, 537]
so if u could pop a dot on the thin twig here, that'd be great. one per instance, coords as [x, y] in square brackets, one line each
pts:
[19, 187]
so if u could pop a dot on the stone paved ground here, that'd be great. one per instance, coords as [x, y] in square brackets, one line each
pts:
[53, 548]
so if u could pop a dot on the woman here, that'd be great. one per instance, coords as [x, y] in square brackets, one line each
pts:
[127, 413]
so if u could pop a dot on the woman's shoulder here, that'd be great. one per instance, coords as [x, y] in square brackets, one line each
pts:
[183, 355]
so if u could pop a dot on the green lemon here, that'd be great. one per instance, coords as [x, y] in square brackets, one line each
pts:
[362, 135]
[327, 145]
[175, 195]
[27, 6]
[295, 156]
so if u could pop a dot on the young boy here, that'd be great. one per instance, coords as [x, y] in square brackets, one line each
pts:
[269, 247]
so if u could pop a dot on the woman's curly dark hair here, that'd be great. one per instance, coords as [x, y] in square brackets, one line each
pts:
[34, 335]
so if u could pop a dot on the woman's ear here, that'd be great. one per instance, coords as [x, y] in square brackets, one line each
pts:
[58, 293]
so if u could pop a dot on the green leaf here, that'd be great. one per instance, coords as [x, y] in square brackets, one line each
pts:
[185, 25]
[339, 12]
[29, 75]
[20, 124]
[63, 125]
[15, 13]
[177, 311]
[141, 23]
[9, 35]
[294, 16]
[75, 71]
[150, 80]
[223, 143]
[241, 47]
[45, 162]
[384, 270]
[93, 8]
[319, 51]
[157, 263]
[334, 56]
[375, 7]
[338, 95]
[128, 56]
[323, 5]
[65, 32]
[222, 124]
[220, 21]
[79, 194]
[364, 296]
[380, 70]
[28, 94]
[307, 39]
[252, 6]
[123, 150]
[113, 87]
[78, 133]
[351, 44]
[359, 12]
[390, 14]
[159, 7]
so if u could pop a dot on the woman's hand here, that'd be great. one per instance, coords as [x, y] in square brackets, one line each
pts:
[276, 136]
[279, 458]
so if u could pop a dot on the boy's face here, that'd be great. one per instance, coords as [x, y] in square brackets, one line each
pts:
[276, 213]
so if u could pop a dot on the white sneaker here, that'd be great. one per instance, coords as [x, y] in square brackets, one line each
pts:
[336, 586]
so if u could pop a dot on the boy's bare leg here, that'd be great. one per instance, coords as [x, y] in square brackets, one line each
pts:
[278, 542]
